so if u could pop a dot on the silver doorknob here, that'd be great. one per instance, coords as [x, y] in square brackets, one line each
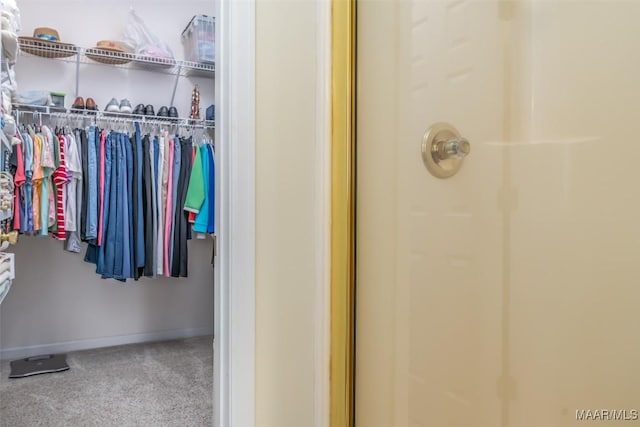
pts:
[443, 150]
[454, 147]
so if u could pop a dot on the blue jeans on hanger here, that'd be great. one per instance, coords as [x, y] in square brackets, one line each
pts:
[92, 180]
[105, 212]
[110, 243]
[140, 217]
[156, 201]
[121, 220]
[93, 250]
[128, 262]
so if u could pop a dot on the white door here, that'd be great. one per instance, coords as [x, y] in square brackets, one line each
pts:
[509, 294]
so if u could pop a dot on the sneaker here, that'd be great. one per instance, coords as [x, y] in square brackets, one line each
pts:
[148, 111]
[139, 109]
[173, 112]
[125, 106]
[112, 106]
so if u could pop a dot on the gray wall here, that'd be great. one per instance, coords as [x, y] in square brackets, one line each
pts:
[57, 301]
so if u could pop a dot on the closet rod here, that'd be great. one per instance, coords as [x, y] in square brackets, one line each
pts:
[96, 116]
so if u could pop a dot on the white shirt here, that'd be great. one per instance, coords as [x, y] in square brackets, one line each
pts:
[74, 166]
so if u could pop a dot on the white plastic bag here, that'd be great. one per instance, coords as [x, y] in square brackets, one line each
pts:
[10, 16]
[9, 45]
[137, 38]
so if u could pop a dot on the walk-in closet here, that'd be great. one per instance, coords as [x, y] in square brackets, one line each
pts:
[107, 213]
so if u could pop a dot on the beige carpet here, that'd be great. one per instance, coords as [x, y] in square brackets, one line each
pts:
[159, 384]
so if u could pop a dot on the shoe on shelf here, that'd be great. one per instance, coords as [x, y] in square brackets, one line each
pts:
[148, 111]
[78, 104]
[91, 105]
[173, 112]
[112, 106]
[139, 110]
[125, 106]
[163, 112]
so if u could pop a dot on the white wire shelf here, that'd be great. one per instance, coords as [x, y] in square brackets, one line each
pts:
[106, 116]
[75, 54]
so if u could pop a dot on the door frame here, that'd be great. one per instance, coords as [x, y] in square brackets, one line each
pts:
[234, 328]
[343, 277]
[234, 294]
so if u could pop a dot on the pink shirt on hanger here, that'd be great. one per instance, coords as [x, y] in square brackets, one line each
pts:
[18, 180]
[20, 177]
[16, 209]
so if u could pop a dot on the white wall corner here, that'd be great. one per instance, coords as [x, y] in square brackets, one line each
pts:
[234, 350]
[323, 213]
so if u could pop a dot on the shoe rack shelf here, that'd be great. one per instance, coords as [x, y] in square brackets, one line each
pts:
[93, 56]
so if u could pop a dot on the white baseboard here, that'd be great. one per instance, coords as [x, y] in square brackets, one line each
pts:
[63, 347]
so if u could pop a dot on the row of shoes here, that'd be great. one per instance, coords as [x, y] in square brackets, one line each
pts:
[125, 107]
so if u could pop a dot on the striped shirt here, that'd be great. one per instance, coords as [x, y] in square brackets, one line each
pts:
[60, 180]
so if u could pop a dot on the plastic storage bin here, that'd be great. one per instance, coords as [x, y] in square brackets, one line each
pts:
[57, 99]
[199, 39]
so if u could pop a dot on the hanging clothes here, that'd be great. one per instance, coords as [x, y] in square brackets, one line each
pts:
[128, 197]
[205, 218]
[26, 225]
